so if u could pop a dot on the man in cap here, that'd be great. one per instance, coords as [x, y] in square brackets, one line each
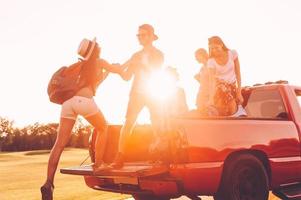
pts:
[140, 66]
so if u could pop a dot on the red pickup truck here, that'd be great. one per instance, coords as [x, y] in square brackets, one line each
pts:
[229, 158]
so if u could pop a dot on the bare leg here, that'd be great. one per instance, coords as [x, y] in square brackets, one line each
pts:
[135, 105]
[159, 117]
[99, 122]
[62, 139]
[125, 132]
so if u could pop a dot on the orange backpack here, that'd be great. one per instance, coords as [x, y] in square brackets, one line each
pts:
[64, 83]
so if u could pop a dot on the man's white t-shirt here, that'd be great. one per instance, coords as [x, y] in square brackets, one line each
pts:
[225, 72]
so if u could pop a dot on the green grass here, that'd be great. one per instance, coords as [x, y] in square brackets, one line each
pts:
[22, 174]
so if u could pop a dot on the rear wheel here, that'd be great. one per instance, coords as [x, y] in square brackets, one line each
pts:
[149, 197]
[244, 178]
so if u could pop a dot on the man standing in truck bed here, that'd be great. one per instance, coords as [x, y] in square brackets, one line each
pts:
[141, 65]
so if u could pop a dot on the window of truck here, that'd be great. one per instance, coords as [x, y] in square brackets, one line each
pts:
[266, 104]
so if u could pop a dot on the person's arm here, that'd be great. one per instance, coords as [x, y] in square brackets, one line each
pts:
[212, 81]
[106, 69]
[114, 68]
[238, 78]
[127, 70]
[105, 75]
[197, 77]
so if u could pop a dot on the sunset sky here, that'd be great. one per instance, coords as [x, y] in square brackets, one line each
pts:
[38, 37]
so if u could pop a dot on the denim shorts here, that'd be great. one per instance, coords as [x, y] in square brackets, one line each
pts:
[79, 105]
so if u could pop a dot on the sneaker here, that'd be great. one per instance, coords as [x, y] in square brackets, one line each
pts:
[241, 112]
[47, 191]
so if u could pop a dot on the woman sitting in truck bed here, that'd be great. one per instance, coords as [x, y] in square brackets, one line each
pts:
[225, 75]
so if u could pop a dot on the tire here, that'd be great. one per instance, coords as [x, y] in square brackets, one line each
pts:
[149, 197]
[244, 178]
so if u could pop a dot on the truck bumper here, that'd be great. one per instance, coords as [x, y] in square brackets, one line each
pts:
[158, 186]
[190, 178]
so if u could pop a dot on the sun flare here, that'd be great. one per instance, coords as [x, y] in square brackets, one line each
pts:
[161, 85]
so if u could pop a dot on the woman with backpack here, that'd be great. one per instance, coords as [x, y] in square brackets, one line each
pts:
[82, 103]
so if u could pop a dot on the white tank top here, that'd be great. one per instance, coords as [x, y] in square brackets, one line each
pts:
[225, 72]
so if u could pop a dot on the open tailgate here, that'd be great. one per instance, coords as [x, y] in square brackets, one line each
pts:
[129, 170]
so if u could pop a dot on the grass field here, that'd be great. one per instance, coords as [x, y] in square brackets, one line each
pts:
[22, 174]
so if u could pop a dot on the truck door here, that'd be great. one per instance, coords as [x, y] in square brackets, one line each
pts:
[297, 118]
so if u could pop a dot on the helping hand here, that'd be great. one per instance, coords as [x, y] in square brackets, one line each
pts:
[118, 68]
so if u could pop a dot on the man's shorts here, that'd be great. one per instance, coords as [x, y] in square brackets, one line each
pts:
[78, 105]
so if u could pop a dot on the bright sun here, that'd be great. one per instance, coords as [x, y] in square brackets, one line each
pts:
[161, 85]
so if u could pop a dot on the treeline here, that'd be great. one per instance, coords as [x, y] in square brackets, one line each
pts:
[39, 136]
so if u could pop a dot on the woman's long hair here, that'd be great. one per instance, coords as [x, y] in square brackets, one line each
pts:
[89, 73]
[216, 40]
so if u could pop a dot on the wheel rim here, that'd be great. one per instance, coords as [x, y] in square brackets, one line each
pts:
[248, 184]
